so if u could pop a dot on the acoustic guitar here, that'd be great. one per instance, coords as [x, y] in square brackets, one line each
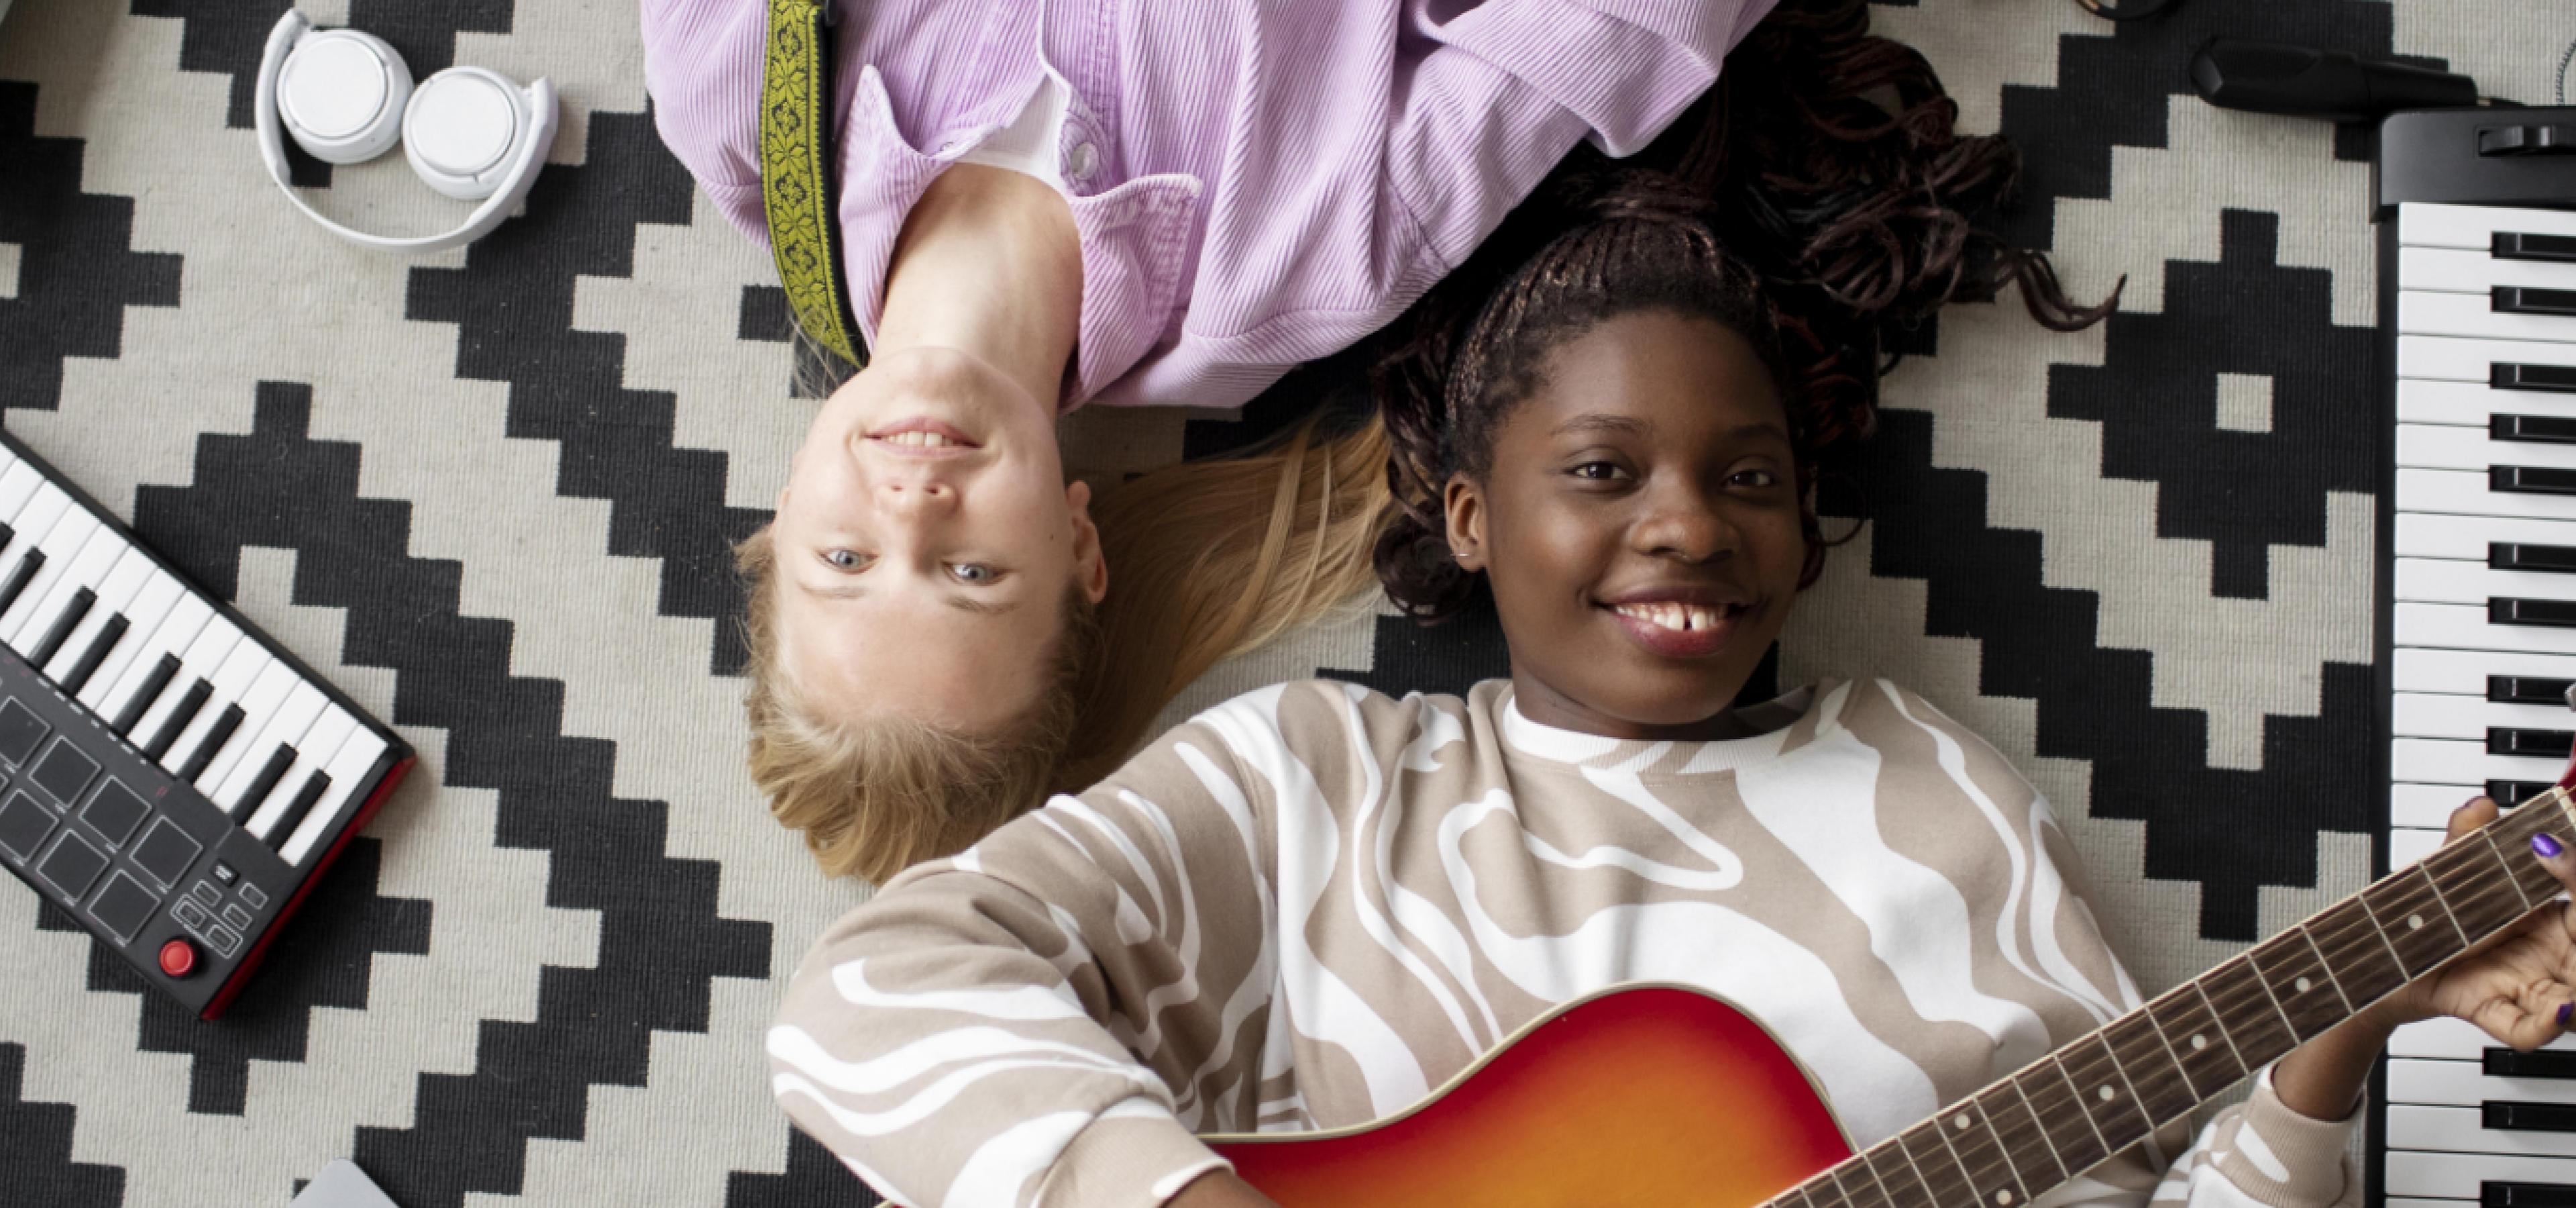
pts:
[1664, 1095]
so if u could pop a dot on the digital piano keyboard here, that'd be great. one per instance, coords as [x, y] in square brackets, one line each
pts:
[2477, 540]
[169, 775]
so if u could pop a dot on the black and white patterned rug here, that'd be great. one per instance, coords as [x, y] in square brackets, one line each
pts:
[490, 493]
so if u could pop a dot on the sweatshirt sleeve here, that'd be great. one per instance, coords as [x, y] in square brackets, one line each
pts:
[1050, 1016]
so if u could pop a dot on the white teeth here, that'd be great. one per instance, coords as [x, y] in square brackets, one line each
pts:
[920, 439]
[1683, 617]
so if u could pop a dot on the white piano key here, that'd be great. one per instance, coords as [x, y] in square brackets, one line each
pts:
[259, 703]
[2450, 581]
[2443, 447]
[2452, 359]
[2457, 1130]
[2465, 493]
[2429, 806]
[18, 485]
[2465, 627]
[2465, 672]
[2457, 1175]
[348, 772]
[2467, 537]
[2465, 1084]
[2452, 1040]
[2408, 1201]
[2466, 271]
[2472, 404]
[2425, 224]
[314, 750]
[287, 721]
[2459, 761]
[144, 615]
[8, 459]
[116, 596]
[87, 570]
[2425, 313]
[2406, 845]
[2438, 715]
[177, 634]
[242, 664]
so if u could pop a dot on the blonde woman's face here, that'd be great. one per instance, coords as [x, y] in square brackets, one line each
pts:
[925, 542]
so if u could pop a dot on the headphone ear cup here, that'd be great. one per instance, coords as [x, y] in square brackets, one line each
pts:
[463, 129]
[342, 95]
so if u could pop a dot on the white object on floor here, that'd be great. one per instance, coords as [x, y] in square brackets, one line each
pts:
[341, 1184]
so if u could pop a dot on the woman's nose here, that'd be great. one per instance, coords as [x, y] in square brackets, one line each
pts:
[924, 497]
[1688, 530]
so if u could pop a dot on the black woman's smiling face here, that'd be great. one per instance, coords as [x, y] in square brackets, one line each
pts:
[1639, 524]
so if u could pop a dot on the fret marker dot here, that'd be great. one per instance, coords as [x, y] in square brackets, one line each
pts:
[2414, 922]
[2106, 1094]
[2300, 985]
[2004, 1196]
[2199, 1042]
[1959, 1121]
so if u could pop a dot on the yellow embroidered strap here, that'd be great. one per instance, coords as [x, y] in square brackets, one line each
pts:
[795, 175]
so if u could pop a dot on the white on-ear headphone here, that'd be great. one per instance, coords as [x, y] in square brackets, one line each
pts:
[346, 97]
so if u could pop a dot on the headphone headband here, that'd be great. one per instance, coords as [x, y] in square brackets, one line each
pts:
[528, 160]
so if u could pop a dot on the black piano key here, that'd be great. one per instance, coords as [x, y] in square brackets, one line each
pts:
[144, 694]
[2528, 1117]
[7, 534]
[2524, 300]
[76, 677]
[216, 735]
[2531, 480]
[2553, 744]
[2510, 793]
[2506, 610]
[2527, 690]
[2556, 379]
[270, 772]
[2532, 429]
[2493, 1194]
[61, 630]
[2538, 1063]
[2514, 245]
[180, 716]
[16, 584]
[314, 786]
[2552, 559]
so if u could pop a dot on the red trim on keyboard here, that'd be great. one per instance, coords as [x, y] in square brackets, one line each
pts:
[250, 961]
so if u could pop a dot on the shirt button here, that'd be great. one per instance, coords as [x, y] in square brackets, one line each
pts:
[1083, 160]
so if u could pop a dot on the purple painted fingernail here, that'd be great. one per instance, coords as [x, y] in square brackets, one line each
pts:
[2565, 1009]
[2546, 846]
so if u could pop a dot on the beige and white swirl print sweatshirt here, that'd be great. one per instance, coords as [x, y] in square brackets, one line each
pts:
[1312, 905]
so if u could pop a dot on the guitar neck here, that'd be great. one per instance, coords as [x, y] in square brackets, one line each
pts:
[2061, 1115]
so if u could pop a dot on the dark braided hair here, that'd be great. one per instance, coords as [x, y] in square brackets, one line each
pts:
[1816, 203]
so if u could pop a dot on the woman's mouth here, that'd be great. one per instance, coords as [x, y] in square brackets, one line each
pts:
[1678, 630]
[921, 436]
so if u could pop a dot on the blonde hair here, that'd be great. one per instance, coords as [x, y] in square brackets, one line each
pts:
[1207, 560]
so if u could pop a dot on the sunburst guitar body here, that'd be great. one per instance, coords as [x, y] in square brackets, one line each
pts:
[1642, 1096]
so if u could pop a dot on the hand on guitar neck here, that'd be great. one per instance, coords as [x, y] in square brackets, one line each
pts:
[2516, 986]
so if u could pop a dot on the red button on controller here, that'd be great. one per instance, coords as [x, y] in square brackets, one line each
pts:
[178, 958]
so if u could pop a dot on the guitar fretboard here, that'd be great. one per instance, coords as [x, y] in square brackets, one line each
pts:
[2065, 1113]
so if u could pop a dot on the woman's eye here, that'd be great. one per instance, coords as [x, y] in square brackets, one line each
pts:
[845, 559]
[973, 572]
[1756, 478]
[1598, 471]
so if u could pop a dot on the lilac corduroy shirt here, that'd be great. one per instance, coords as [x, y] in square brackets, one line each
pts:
[1255, 182]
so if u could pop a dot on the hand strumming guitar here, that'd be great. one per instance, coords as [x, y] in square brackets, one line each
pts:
[2517, 987]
